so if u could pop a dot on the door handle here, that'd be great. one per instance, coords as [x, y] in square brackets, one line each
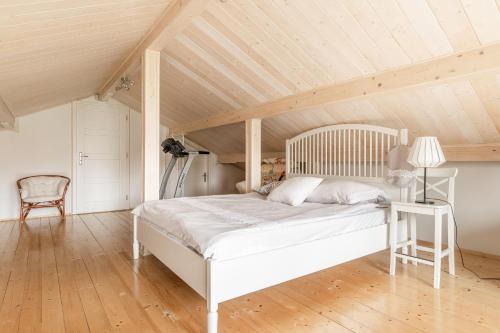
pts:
[80, 157]
[204, 177]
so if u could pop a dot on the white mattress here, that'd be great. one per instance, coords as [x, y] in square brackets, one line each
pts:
[229, 226]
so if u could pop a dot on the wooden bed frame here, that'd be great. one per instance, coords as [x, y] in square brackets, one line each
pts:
[345, 151]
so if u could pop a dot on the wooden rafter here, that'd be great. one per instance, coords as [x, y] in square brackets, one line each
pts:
[441, 69]
[488, 152]
[174, 20]
[7, 119]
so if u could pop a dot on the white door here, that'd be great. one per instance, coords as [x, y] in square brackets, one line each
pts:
[197, 178]
[101, 156]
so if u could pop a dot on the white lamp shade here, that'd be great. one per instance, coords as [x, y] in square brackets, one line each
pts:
[426, 152]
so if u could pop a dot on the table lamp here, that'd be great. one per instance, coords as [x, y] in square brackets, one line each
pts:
[426, 153]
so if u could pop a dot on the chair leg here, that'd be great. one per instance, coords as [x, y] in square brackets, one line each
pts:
[25, 216]
[21, 214]
[60, 207]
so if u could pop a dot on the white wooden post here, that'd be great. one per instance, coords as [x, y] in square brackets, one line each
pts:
[151, 124]
[252, 153]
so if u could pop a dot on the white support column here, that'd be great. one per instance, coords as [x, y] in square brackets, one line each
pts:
[151, 124]
[252, 153]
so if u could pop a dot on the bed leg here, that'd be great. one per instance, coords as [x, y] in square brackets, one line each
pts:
[212, 319]
[135, 244]
[212, 304]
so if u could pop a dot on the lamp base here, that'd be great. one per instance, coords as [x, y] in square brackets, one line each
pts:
[425, 202]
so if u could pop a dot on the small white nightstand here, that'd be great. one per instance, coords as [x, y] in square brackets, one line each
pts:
[437, 210]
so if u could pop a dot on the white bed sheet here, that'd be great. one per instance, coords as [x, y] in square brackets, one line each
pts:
[229, 226]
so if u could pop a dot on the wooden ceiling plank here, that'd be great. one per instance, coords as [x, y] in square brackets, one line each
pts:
[401, 29]
[427, 26]
[442, 69]
[242, 58]
[271, 38]
[277, 27]
[200, 66]
[454, 21]
[457, 117]
[309, 40]
[373, 27]
[220, 66]
[219, 56]
[488, 90]
[474, 108]
[249, 44]
[7, 119]
[485, 19]
[201, 81]
[173, 21]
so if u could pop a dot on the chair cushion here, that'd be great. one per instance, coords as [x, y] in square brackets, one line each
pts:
[41, 198]
[42, 187]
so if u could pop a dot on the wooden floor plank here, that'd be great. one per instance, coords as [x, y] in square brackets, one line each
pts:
[78, 276]
[52, 311]
[63, 238]
[18, 280]
[31, 312]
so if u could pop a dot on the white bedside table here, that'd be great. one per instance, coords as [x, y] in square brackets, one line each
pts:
[437, 210]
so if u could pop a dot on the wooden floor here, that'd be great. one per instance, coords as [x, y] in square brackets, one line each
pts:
[77, 276]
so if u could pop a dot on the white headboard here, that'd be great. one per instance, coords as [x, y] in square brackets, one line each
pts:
[354, 151]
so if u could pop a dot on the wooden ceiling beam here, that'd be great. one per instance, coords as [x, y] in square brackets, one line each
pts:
[487, 152]
[7, 119]
[176, 17]
[233, 158]
[441, 69]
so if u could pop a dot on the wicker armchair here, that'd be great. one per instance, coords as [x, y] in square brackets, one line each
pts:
[41, 192]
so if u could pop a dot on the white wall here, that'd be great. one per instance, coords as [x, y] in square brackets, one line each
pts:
[477, 207]
[41, 145]
[225, 177]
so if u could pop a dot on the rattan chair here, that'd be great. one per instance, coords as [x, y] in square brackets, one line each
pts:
[41, 192]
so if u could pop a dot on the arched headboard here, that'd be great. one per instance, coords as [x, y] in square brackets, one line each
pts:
[354, 151]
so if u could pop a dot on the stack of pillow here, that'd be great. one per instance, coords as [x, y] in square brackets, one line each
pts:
[296, 190]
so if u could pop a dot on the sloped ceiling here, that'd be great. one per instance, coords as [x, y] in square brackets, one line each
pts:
[52, 52]
[241, 53]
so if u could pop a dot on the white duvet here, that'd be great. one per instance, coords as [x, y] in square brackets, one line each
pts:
[228, 226]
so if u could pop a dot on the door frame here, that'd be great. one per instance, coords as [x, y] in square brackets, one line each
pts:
[74, 152]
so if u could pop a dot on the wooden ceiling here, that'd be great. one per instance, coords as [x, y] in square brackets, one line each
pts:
[239, 54]
[54, 51]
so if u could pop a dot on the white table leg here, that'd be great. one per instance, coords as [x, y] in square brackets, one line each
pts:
[438, 219]
[451, 243]
[393, 237]
[404, 232]
[413, 235]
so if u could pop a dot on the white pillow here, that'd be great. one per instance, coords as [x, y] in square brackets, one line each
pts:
[345, 192]
[295, 190]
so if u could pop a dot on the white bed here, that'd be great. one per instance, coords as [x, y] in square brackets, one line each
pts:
[228, 246]
[229, 226]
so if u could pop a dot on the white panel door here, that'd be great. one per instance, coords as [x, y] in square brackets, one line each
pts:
[197, 178]
[101, 156]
